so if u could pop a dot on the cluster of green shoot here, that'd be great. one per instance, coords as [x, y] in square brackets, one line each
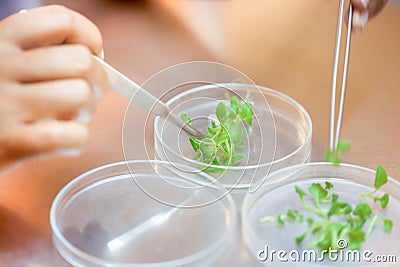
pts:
[334, 156]
[223, 138]
[332, 219]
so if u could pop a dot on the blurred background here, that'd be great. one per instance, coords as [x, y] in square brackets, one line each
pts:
[285, 45]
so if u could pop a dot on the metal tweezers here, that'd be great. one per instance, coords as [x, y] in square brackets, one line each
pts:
[142, 98]
[334, 138]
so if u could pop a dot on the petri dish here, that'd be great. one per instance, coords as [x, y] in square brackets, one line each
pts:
[279, 137]
[142, 213]
[278, 195]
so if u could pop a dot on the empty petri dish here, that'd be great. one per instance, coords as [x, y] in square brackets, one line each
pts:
[278, 195]
[142, 213]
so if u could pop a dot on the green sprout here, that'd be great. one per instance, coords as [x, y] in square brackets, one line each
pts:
[334, 220]
[334, 156]
[218, 147]
[331, 219]
[380, 179]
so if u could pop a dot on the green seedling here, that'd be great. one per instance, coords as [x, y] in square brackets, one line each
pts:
[218, 147]
[331, 219]
[334, 156]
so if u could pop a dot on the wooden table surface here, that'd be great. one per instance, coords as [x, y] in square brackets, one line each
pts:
[283, 45]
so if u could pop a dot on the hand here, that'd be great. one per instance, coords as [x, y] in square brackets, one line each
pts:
[46, 81]
[364, 10]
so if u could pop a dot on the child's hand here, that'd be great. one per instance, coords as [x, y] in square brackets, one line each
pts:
[46, 81]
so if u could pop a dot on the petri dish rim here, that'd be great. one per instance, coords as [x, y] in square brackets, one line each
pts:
[238, 85]
[250, 199]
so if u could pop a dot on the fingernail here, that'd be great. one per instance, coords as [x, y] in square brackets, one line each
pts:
[71, 152]
[23, 11]
[98, 92]
[365, 3]
[84, 115]
[359, 21]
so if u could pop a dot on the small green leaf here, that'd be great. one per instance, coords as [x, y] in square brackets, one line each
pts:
[234, 130]
[310, 221]
[224, 113]
[324, 242]
[335, 160]
[294, 215]
[247, 113]
[222, 138]
[334, 209]
[317, 191]
[363, 210]
[387, 225]
[300, 238]
[185, 118]
[268, 219]
[358, 224]
[208, 150]
[195, 143]
[384, 200]
[332, 157]
[334, 229]
[328, 155]
[356, 238]
[380, 177]
[328, 185]
[217, 160]
[280, 220]
[339, 208]
[343, 146]
[335, 198]
[300, 192]
[221, 111]
[234, 104]
[212, 131]
[317, 229]
[291, 214]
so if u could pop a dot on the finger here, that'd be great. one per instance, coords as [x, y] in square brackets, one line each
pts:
[360, 5]
[57, 62]
[62, 99]
[364, 10]
[10, 111]
[375, 6]
[43, 137]
[51, 25]
[360, 20]
[360, 15]
[47, 63]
